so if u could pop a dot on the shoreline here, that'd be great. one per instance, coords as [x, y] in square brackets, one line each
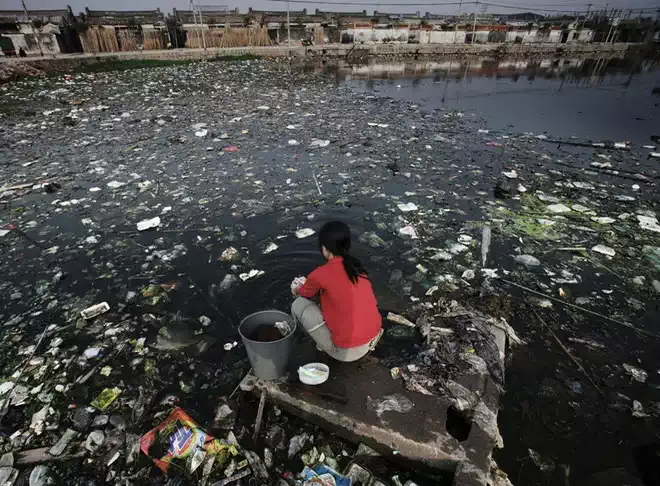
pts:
[17, 68]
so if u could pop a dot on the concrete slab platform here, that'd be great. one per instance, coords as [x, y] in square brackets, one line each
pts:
[416, 438]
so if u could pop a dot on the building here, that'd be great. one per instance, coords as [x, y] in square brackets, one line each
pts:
[319, 27]
[220, 28]
[383, 27]
[43, 31]
[56, 31]
[125, 30]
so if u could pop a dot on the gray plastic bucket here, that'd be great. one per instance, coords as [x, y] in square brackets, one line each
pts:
[269, 360]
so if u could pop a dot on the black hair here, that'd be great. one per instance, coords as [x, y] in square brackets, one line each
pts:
[335, 236]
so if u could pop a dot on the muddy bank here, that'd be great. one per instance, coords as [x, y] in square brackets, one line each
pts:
[12, 68]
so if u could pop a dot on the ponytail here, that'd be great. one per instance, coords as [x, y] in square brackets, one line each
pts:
[335, 236]
[354, 268]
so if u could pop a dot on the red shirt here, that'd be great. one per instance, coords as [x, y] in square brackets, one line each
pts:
[350, 310]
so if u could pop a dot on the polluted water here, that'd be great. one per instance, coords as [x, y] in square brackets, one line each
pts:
[146, 212]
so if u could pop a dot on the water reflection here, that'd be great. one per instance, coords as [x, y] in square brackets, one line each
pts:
[598, 99]
[573, 70]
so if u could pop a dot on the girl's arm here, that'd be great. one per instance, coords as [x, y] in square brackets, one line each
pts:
[311, 287]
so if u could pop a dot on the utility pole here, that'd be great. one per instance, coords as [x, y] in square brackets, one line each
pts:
[34, 31]
[201, 23]
[474, 23]
[587, 14]
[194, 12]
[199, 33]
[458, 19]
[288, 25]
[197, 10]
[609, 33]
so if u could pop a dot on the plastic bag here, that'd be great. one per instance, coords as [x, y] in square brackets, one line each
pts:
[179, 438]
[394, 403]
[323, 475]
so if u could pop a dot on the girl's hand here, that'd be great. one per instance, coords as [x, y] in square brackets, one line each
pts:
[296, 284]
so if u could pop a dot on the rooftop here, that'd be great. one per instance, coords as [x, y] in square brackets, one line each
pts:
[113, 17]
[362, 13]
[210, 16]
[45, 15]
[277, 13]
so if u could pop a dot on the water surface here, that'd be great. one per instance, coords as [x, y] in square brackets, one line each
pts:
[597, 99]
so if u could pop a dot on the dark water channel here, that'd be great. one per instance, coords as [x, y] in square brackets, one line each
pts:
[548, 406]
[597, 99]
[585, 99]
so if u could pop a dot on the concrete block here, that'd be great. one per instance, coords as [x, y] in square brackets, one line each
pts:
[416, 438]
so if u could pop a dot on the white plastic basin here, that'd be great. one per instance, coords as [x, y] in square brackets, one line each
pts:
[313, 373]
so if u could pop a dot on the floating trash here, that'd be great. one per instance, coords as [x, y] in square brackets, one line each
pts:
[304, 233]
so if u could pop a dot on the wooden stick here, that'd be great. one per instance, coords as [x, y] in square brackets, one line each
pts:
[565, 349]
[260, 414]
[599, 264]
[239, 384]
[485, 244]
[601, 145]
[83, 378]
[182, 230]
[41, 455]
[18, 187]
[568, 304]
[317, 184]
[625, 174]
[583, 252]
[4, 405]
[224, 482]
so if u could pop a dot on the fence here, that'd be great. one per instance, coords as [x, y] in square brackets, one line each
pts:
[154, 39]
[99, 39]
[228, 37]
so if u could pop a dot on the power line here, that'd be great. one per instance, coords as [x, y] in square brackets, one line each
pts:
[316, 2]
[440, 4]
[529, 9]
[554, 5]
[533, 9]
